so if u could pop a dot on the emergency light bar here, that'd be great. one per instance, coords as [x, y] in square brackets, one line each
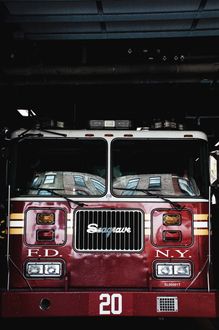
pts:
[109, 124]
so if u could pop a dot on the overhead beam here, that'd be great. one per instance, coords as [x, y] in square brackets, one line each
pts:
[112, 70]
[105, 82]
[205, 74]
[102, 17]
[118, 35]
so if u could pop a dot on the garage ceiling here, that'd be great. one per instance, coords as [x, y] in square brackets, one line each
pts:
[90, 42]
[76, 60]
[110, 19]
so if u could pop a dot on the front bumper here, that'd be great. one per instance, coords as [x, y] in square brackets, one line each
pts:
[109, 303]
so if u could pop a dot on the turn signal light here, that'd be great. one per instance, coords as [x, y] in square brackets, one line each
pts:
[45, 235]
[45, 218]
[171, 219]
[172, 235]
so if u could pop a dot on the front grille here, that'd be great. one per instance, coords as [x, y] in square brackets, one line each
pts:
[108, 230]
[167, 304]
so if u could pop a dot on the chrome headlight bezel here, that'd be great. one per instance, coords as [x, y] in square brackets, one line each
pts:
[173, 270]
[43, 269]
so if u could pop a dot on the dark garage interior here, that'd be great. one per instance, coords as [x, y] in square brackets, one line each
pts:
[79, 60]
[143, 60]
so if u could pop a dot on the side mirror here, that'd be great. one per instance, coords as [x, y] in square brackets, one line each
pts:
[213, 168]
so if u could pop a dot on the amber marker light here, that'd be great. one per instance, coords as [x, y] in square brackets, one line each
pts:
[45, 218]
[171, 219]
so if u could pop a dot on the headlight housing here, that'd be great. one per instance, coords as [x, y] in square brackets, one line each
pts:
[173, 270]
[43, 269]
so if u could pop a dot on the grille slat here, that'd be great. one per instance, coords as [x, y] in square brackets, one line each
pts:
[109, 230]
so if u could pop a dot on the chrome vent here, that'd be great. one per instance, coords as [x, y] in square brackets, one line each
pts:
[109, 230]
[167, 304]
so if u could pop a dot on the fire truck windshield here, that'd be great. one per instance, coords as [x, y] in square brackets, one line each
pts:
[78, 167]
[68, 167]
[163, 167]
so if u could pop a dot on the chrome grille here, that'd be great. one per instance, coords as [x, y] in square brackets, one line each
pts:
[108, 230]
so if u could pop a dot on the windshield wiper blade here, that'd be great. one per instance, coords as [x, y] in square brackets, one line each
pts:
[51, 132]
[23, 135]
[59, 195]
[149, 193]
[26, 133]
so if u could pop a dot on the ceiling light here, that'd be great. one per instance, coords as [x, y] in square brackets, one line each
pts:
[26, 112]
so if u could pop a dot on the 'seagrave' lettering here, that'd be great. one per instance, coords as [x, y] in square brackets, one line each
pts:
[93, 228]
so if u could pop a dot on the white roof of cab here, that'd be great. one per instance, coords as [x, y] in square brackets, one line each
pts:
[112, 134]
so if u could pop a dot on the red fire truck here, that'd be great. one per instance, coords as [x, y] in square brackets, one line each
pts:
[108, 221]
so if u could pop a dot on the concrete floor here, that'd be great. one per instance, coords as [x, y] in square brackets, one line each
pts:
[133, 322]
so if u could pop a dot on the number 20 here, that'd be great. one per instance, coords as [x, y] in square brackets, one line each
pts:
[110, 304]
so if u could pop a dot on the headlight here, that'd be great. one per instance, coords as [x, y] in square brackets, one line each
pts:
[173, 270]
[43, 269]
[182, 269]
[53, 269]
[164, 270]
[34, 269]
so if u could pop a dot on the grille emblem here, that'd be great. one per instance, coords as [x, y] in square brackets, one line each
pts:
[93, 228]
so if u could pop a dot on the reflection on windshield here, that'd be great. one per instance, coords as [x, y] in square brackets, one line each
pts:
[67, 183]
[161, 184]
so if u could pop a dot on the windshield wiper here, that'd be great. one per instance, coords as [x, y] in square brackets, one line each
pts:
[59, 195]
[148, 192]
[26, 133]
